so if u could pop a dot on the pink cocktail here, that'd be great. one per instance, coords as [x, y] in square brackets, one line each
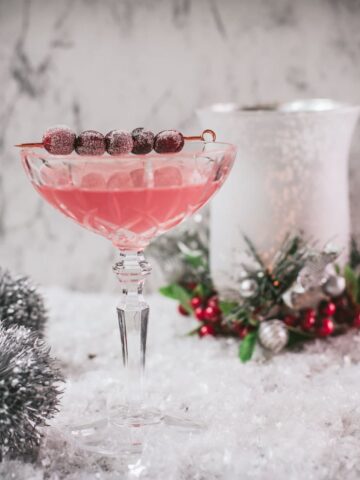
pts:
[129, 199]
[129, 203]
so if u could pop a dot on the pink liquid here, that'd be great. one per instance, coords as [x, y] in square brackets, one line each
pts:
[129, 217]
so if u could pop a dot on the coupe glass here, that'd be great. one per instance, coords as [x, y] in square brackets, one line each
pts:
[129, 199]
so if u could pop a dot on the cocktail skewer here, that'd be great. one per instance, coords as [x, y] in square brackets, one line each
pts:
[190, 138]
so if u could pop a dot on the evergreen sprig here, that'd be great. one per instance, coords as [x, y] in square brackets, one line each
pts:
[273, 282]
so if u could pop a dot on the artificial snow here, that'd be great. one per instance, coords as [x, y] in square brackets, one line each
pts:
[292, 416]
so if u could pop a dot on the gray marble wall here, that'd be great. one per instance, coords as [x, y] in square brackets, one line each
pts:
[126, 63]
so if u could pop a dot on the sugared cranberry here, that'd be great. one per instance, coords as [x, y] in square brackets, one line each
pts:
[206, 330]
[326, 328]
[143, 141]
[59, 140]
[309, 319]
[118, 142]
[90, 142]
[196, 302]
[328, 308]
[199, 313]
[183, 311]
[169, 141]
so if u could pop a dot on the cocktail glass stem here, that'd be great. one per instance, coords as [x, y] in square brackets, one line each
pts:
[133, 316]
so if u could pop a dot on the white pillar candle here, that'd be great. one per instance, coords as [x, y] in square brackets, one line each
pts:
[290, 175]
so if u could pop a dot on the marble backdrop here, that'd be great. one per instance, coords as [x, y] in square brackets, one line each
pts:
[127, 63]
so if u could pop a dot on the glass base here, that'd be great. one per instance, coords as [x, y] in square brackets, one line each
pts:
[125, 431]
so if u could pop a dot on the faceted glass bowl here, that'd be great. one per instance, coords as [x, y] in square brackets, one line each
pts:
[130, 199]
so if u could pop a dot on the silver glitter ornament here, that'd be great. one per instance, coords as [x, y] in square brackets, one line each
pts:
[273, 335]
[20, 303]
[334, 286]
[315, 272]
[248, 288]
[29, 390]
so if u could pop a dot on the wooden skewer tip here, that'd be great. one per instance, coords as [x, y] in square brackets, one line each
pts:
[28, 145]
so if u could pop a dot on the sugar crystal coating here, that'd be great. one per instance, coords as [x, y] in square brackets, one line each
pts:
[59, 140]
[169, 141]
[118, 142]
[90, 142]
[143, 141]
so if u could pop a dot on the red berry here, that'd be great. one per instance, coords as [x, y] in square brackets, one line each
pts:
[183, 311]
[290, 320]
[241, 330]
[90, 142]
[118, 142]
[343, 313]
[199, 313]
[59, 140]
[168, 141]
[213, 310]
[211, 313]
[143, 141]
[309, 319]
[341, 302]
[356, 320]
[326, 328]
[213, 302]
[196, 302]
[206, 330]
[328, 308]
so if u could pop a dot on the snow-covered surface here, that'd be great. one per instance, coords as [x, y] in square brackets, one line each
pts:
[295, 416]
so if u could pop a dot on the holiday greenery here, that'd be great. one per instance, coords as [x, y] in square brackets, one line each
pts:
[300, 297]
[29, 390]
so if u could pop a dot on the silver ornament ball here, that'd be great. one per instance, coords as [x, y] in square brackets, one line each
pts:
[248, 288]
[334, 285]
[29, 390]
[273, 335]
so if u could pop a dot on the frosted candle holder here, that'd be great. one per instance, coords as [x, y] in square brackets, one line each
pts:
[291, 175]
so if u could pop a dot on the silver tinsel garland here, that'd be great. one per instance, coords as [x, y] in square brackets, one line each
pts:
[20, 303]
[29, 390]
